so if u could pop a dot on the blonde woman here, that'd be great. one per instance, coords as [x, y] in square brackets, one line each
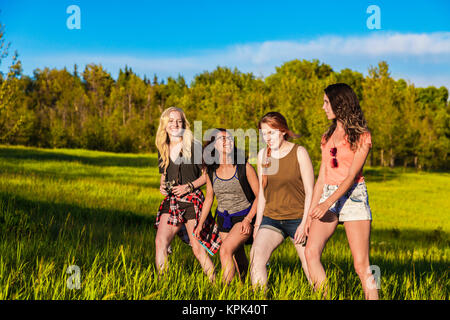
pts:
[180, 165]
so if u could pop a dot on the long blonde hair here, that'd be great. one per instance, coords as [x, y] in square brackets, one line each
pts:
[162, 137]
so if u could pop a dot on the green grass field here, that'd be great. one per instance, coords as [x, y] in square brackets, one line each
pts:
[96, 210]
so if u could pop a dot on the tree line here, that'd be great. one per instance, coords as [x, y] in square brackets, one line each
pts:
[90, 109]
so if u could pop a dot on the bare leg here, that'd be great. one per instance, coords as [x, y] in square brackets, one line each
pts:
[301, 254]
[164, 236]
[200, 252]
[358, 235]
[231, 243]
[319, 233]
[266, 242]
[242, 262]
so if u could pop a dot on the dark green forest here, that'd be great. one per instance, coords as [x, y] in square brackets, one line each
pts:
[91, 109]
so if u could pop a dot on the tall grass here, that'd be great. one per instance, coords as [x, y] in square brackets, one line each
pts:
[96, 210]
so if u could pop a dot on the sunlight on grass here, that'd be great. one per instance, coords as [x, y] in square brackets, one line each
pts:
[96, 210]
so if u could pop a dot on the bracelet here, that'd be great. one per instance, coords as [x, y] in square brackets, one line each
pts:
[248, 219]
[191, 187]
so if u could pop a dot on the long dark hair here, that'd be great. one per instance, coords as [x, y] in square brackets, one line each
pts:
[345, 106]
[237, 153]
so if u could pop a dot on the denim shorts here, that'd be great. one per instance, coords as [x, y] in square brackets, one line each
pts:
[353, 205]
[284, 227]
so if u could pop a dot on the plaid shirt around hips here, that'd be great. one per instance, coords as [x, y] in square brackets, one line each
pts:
[209, 236]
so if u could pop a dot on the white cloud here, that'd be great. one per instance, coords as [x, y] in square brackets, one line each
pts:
[355, 52]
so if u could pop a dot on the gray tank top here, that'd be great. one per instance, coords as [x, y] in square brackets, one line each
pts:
[229, 194]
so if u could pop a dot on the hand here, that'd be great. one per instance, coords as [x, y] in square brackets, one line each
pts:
[197, 231]
[308, 225]
[246, 226]
[300, 234]
[163, 190]
[180, 190]
[319, 211]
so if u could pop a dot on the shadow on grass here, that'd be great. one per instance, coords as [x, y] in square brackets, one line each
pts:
[150, 181]
[380, 174]
[54, 229]
[108, 221]
[48, 226]
[54, 155]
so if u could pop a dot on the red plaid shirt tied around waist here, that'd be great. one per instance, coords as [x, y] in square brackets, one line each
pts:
[209, 236]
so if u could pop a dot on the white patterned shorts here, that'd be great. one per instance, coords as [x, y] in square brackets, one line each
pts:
[352, 206]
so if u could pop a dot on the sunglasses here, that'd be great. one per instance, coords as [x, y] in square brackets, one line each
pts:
[334, 162]
[221, 138]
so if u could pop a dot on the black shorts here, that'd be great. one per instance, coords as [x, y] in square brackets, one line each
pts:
[235, 220]
[190, 210]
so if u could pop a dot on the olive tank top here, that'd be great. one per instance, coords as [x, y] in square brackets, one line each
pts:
[284, 193]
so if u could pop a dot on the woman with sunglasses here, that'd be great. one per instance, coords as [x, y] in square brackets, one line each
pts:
[340, 194]
[235, 184]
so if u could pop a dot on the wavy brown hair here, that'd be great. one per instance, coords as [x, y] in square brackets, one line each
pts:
[345, 106]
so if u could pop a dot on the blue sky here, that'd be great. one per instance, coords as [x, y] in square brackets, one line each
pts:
[168, 38]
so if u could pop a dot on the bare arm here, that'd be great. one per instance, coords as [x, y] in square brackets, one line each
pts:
[207, 204]
[200, 181]
[183, 189]
[261, 201]
[307, 175]
[254, 184]
[318, 188]
[162, 187]
[253, 181]
[307, 172]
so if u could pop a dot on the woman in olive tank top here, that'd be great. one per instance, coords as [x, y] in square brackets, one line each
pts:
[286, 185]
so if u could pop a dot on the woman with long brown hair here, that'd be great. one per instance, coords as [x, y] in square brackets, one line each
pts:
[180, 165]
[340, 193]
[286, 184]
